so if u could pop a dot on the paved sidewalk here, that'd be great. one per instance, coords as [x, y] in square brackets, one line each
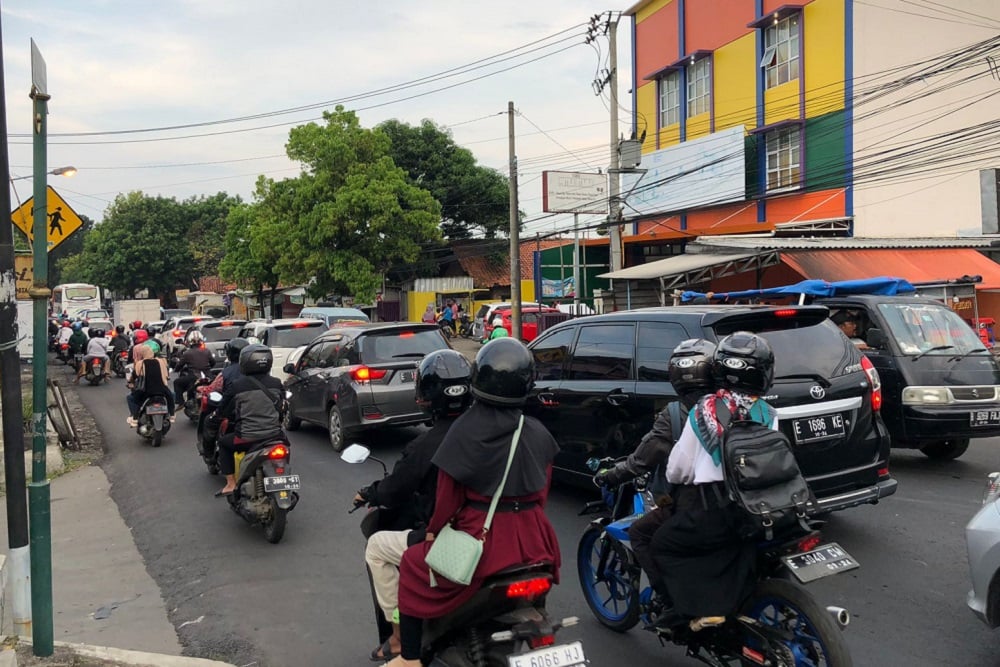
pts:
[102, 594]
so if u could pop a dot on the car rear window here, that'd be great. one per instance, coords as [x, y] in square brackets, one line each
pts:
[398, 345]
[220, 333]
[817, 350]
[295, 335]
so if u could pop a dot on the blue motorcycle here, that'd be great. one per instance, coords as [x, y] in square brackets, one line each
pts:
[780, 625]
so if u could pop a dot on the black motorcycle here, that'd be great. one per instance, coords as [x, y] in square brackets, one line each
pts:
[504, 624]
[266, 490]
[154, 419]
[209, 401]
[192, 398]
[466, 327]
[119, 363]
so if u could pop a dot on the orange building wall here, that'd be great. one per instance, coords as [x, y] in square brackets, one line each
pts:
[656, 42]
[808, 206]
[714, 23]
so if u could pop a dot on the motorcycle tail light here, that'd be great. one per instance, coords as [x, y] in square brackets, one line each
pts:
[809, 543]
[279, 470]
[543, 641]
[529, 588]
[278, 452]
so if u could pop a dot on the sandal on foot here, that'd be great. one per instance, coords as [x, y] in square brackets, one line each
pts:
[220, 493]
[703, 622]
[386, 653]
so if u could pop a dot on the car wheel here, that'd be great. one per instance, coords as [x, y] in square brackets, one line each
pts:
[291, 422]
[335, 424]
[945, 450]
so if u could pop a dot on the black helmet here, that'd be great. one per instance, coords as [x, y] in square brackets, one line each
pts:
[233, 349]
[503, 373]
[256, 360]
[744, 361]
[120, 329]
[95, 333]
[443, 380]
[690, 369]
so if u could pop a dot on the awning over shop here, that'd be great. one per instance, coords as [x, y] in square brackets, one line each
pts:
[916, 265]
[694, 268]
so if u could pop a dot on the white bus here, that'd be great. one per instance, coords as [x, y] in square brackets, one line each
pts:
[71, 297]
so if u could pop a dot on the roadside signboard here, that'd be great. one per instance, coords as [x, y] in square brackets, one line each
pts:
[574, 192]
[24, 275]
[62, 219]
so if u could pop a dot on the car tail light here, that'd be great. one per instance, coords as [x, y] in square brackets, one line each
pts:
[226, 323]
[365, 374]
[301, 325]
[875, 381]
[883, 472]
[541, 642]
[809, 543]
[406, 334]
[785, 312]
[278, 452]
[177, 333]
[529, 588]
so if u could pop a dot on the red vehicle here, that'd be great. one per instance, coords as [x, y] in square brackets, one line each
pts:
[530, 316]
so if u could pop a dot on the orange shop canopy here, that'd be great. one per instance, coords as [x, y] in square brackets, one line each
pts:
[916, 265]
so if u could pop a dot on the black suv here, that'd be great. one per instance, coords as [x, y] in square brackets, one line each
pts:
[602, 379]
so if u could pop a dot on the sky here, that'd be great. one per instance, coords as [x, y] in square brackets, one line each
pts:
[117, 66]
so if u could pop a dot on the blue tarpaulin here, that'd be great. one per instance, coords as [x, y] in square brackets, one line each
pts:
[885, 286]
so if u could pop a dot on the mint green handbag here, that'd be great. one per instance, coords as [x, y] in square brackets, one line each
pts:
[455, 554]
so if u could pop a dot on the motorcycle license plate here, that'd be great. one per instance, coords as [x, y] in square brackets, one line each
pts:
[282, 483]
[564, 655]
[823, 561]
[157, 409]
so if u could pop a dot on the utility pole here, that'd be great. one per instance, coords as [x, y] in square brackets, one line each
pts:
[515, 235]
[39, 504]
[10, 396]
[614, 207]
[576, 263]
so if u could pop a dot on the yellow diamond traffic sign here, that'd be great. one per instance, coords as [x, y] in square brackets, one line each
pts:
[62, 220]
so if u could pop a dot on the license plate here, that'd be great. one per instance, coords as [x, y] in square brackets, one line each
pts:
[984, 418]
[156, 409]
[406, 376]
[823, 561]
[553, 656]
[818, 428]
[283, 483]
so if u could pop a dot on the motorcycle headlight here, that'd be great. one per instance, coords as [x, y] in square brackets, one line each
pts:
[992, 488]
[926, 396]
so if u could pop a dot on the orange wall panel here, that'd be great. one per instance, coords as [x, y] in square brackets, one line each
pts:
[807, 206]
[714, 23]
[721, 219]
[656, 43]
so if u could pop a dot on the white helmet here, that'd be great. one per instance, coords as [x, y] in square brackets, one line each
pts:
[497, 321]
[195, 338]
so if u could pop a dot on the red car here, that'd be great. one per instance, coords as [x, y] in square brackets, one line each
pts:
[529, 321]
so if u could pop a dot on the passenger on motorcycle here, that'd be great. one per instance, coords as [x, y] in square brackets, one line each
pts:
[149, 378]
[120, 342]
[97, 348]
[221, 383]
[471, 462]
[78, 340]
[195, 360]
[406, 497]
[65, 333]
[690, 373]
[253, 405]
[706, 564]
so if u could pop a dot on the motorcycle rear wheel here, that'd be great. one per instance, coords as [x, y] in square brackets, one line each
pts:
[157, 438]
[274, 529]
[613, 594]
[818, 641]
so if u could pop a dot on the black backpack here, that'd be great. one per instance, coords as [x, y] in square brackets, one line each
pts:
[658, 484]
[762, 477]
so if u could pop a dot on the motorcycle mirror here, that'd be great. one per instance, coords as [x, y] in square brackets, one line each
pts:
[355, 454]
[215, 397]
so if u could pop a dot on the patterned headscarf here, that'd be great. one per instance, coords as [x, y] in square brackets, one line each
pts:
[741, 407]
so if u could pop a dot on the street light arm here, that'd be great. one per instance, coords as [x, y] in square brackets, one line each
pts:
[61, 171]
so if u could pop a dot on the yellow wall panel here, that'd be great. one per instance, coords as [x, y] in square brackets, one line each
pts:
[416, 303]
[734, 89]
[781, 102]
[824, 56]
[651, 9]
[669, 136]
[645, 105]
[698, 126]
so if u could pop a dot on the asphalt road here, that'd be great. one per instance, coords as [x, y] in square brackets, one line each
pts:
[306, 601]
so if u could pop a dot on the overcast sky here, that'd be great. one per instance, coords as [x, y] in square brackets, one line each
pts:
[117, 65]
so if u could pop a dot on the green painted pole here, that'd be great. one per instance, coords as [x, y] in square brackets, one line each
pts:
[39, 517]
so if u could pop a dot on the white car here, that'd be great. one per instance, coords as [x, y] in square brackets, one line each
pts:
[283, 336]
[171, 335]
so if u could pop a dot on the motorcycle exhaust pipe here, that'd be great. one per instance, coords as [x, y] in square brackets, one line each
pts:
[840, 615]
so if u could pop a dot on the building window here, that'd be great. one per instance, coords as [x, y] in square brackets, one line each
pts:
[699, 88]
[784, 151]
[781, 51]
[670, 99]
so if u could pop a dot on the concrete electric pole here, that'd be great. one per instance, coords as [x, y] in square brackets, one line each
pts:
[515, 237]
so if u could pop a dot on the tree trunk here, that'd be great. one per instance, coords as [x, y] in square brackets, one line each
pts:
[260, 300]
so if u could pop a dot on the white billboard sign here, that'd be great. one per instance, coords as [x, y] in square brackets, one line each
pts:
[706, 171]
[574, 192]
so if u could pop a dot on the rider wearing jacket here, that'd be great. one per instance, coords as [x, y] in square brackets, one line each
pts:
[196, 359]
[221, 383]
[78, 341]
[406, 495]
[690, 372]
[253, 404]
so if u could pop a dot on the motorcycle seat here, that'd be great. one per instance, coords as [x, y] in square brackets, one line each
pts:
[521, 569]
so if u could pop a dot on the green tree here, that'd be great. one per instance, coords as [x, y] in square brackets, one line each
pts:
[206, 219]
[72, 245]
[141, 244]
[250, 260]
[350, 216]
[474, 199]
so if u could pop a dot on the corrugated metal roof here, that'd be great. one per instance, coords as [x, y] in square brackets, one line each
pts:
[673, 265]
[914, 264]
[712, 243]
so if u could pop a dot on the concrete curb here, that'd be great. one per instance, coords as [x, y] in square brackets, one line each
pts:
[125, 657]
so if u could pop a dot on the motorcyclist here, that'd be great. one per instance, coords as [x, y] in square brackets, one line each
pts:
[120, 343]
[195, 360]
[707, 565]
[65, 333]
[230, 374]
[78, 340]
[139, 337]
[253, 405]
[405, 497]
[471, 460]
[690, 373]
[499, 331]
[97, 348]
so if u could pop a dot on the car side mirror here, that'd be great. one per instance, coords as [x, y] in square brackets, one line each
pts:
[355, 454]
[875, 337]
[289, 369]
